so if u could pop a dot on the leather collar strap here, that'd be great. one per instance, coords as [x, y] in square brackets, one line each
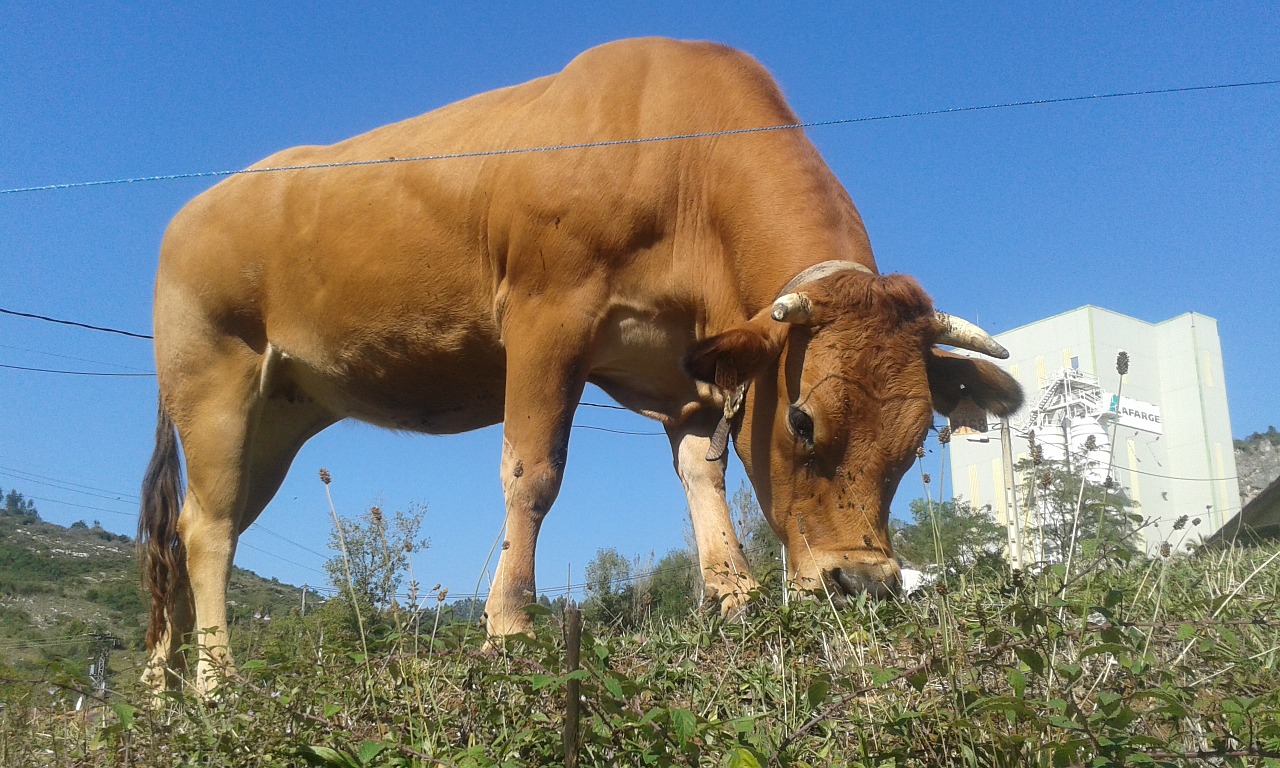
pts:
[720, 438]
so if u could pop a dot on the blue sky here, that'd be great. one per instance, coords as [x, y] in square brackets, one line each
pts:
[1151, 206]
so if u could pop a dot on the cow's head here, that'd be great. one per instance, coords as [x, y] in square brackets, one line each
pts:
[842, 378]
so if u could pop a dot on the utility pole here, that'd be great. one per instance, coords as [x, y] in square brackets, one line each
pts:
[1013, 513]
[304, 599]
[102, 645]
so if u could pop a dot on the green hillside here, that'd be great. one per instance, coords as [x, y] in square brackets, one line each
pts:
[59, 586]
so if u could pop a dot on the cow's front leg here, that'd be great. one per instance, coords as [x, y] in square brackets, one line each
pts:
[726, 576]
[545, 379]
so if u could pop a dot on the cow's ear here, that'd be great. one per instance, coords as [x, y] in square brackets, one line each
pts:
[739, 354]
[952, 377]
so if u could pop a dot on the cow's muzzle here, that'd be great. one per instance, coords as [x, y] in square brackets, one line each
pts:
[880, 582]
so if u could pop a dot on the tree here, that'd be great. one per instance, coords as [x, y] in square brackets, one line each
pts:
[609, 589]
[377, 551]
[17, 505]
[673, 588]
[952, 534]
[760, 544]
[1077, 517]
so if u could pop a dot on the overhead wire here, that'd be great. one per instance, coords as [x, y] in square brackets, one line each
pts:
[101, 328]
[60, 482]
[83, 506]
[27, 645]
[639, 140]
[63, 488]
[77, 373]
[66, 485]
[71, 357]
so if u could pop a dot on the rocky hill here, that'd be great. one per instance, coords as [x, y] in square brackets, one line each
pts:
[60, 586]
[1257, 463]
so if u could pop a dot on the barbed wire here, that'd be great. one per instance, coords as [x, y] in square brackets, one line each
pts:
[640, 140]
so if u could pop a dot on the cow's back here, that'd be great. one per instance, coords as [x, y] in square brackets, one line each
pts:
[397, 269]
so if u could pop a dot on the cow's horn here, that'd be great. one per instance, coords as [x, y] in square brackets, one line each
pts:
[792, 308]
[965, 335]
[824, 270]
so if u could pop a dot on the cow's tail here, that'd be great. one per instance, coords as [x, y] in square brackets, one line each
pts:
[159, 548]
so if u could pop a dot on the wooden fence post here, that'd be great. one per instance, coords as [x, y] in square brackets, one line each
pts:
[573, 688]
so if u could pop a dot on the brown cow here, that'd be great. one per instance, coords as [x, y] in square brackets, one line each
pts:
[447, 295]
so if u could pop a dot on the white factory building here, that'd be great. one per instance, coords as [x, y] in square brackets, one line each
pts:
[1162, 431]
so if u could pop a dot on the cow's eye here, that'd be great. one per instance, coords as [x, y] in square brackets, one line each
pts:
[801, 425]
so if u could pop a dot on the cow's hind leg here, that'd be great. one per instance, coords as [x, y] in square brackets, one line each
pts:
[726, 577]
[238, 443]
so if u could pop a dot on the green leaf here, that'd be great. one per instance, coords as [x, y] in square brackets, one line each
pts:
[1172, 706]
[880, 675]
[650, 715]
[818, 691]
[327, 757]
[683, 722]
[1070, 671]
[537, 609]
[1003, 704]
[331, 709]
[252, 664]
[1017, 681]
[741, 757]
[541, 681]
[369, 750]
[1112, 648]
[1031, 657]
[125, 714]
[614, 688]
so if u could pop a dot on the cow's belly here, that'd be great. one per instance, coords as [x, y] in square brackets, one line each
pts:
[637, 362]
[420, 389]
[448, 388]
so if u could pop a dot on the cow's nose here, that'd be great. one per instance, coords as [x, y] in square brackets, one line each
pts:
[878, 582]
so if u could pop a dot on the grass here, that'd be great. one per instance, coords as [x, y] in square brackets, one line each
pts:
[1169, 661]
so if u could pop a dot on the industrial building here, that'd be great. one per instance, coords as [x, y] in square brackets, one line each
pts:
[1161, 431]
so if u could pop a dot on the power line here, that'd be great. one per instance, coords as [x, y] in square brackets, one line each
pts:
[67, 482]
[617, 431]
[63, 485]
[242, 543]
[641, 140]
[83, 506]
[101, 328]
[118, 497]
[288, 540]
[1176, 477]
[69, 357]
[152, 375]
[24, 645]
[76, 373]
